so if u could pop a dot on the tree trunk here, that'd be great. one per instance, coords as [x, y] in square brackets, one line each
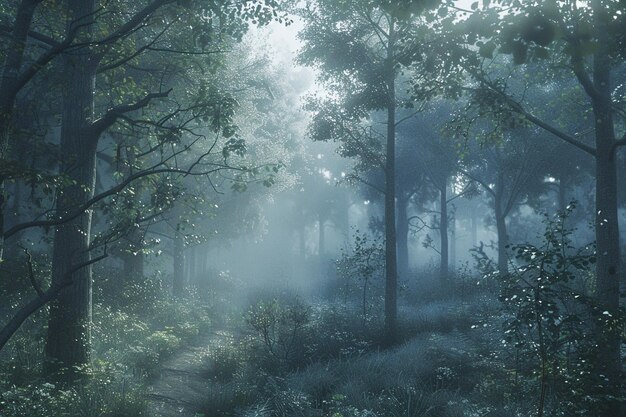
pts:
[503, 241]
[608, 266]
[9, 88]
[178, 279]
[503, 238]
[391, 273]
[69, 327]
[192, 259]
[443, 231]
[302, 240]
[474, 227]
[453, 242]
[321, 245]
[403, 238]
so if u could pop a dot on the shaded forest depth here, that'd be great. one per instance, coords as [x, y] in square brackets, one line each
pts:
[338, 208]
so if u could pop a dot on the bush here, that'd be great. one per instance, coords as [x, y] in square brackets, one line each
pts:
[283, 331]
[104, 395]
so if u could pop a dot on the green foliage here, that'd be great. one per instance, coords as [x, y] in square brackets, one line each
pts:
[364, 264]
[105, 395]
[550, 318]
[282, 330]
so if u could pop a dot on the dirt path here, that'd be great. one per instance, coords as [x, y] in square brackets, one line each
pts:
[181, 389]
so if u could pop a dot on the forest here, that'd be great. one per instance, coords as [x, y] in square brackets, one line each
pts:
[312, 208]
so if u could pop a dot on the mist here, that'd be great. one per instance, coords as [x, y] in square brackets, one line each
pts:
[312, 208]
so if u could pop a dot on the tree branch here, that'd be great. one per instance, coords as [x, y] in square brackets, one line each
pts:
[88, 204]
[518, 108]
[478, 180]
[110, 117]
[31, 273]
[357, 178]
[35, 304]
[32, 34]
[112, 65]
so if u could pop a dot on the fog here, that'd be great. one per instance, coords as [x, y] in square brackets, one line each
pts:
[336, 208]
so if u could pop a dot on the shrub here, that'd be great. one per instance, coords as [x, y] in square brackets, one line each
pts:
[282, 330]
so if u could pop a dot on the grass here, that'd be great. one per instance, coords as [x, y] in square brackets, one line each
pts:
[441, 370]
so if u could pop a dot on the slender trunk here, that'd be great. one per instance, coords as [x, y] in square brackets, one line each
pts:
[608, 266]
[321, 248]
[302, 240]
[474, 227]
[391, 273]
[503, 238]
[199, 265]
[178, 279]
[69, 327]
[403, 237]
[453, 242]
[192, 260]
[443, 232]
[9, 88]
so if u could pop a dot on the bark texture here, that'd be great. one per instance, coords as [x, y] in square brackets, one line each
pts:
[9, 87]
[608, 266]
[391, 270]
[69, 327]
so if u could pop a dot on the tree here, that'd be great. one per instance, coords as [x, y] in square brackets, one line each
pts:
[583, 43]
[360, 49]
[92, 59]
[509, 171]
[437, 156]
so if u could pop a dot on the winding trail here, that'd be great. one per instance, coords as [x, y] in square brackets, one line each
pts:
[181, 388]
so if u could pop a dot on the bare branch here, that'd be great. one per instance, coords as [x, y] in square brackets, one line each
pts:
[31, 273]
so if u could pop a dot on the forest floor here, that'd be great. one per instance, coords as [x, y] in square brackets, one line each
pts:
[182, 387]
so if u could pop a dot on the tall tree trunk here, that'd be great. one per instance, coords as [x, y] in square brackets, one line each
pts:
[192, 261]
[302, 240]
[453, 242]
[474, 227]
[321, 244]
[503, 238]
[402, 223]
[9, 88]
[178, 279]
[69, 327]
[503, 241]
[403, 237]
[391, 272]
[443, 231]
[608, 266]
